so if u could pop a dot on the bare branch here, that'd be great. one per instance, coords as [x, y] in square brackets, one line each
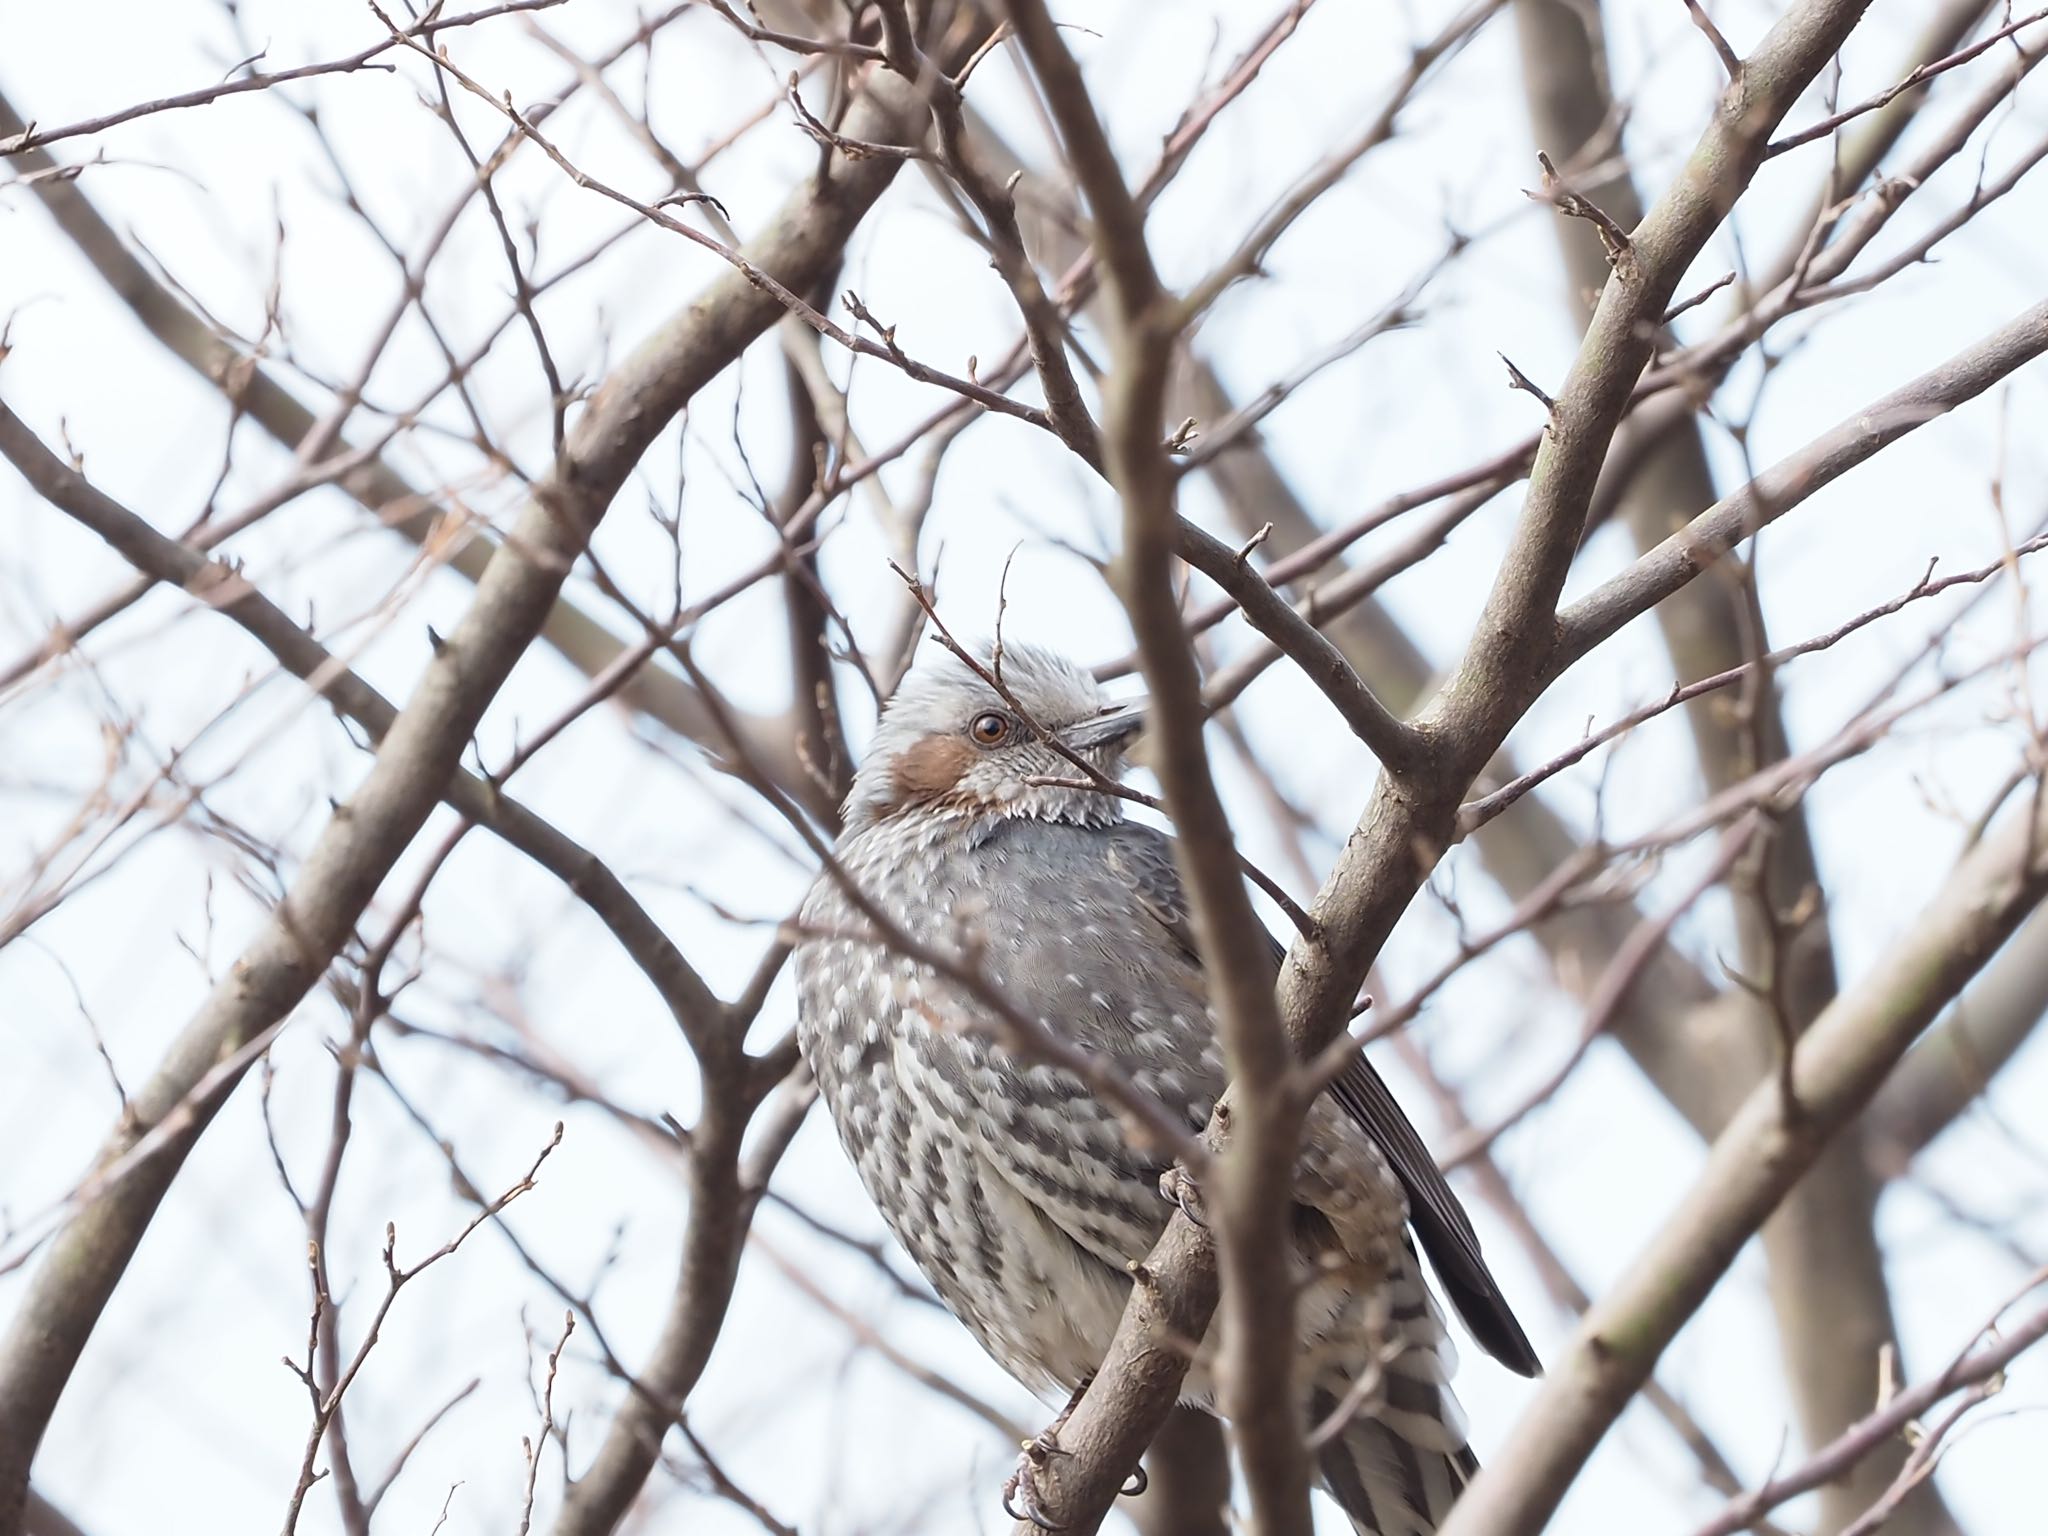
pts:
[1838, 1065]
[1920, 75]
[1695, 547]
[1970, 1368]
[417, 758]
[28, 136]
[1397, 746]
[1705, 23]
[1258, 1324]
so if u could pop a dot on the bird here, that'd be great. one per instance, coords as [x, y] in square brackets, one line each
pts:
[978, 825]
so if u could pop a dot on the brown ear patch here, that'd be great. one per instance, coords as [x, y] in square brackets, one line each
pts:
[929, 769]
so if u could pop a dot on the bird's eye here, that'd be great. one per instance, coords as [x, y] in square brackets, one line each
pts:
[990, 730]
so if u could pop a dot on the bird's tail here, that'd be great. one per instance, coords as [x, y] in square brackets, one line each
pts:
[1394, 1453]
[1388, 1484]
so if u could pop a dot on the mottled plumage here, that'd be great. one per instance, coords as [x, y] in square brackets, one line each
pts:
[1016, 1191]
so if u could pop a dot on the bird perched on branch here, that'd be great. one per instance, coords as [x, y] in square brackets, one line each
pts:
[990, 914]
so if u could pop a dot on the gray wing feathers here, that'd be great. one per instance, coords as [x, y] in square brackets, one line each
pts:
[1145, 856]
[1439, 1219]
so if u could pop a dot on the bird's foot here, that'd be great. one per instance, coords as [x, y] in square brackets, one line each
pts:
[1020, 1493]
[1179, 1186]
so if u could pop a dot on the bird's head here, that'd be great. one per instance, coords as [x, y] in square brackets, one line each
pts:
[949, 741]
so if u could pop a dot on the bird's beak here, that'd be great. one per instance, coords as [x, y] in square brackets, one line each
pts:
[1116, 725]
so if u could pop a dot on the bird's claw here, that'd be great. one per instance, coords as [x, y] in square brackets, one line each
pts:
[1136, 1484]
[1179, 1186]
[1020, 1493]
